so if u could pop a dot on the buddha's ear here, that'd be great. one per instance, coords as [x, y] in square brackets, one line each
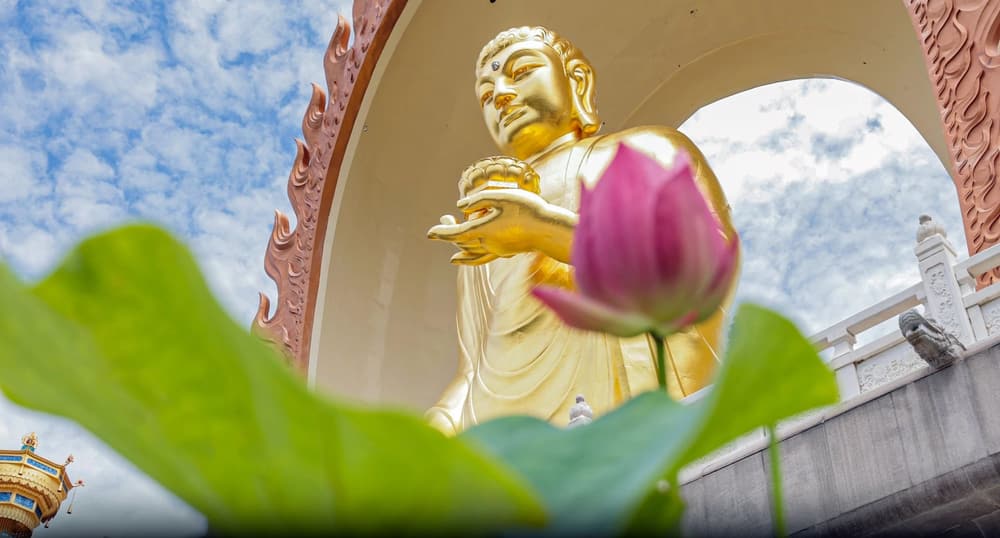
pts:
[581, 78]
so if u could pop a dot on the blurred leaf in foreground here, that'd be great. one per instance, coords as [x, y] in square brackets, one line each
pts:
[126, 339]
[601, 478]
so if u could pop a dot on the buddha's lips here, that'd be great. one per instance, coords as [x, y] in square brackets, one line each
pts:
[511, 114]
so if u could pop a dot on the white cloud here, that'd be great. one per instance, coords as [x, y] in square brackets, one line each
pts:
[84, 64]
[83, 164]
[138, 169]
[29, 246]
[250, 28]
[87, 200]
[21, 173]
[827, 201]
[115, 13]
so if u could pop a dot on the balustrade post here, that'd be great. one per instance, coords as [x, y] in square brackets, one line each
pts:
[847, 375]
[936, 259]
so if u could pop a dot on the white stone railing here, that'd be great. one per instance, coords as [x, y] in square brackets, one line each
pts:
[946, 292]
[842, 338]
[982, 307]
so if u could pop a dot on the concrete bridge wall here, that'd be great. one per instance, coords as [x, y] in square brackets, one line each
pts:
[921, 459]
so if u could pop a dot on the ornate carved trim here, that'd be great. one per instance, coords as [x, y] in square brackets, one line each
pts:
[874, 373]
[21, 515]
[961, 44]
[294, 257]
[941, 301]
[39, 491]
[991, 317]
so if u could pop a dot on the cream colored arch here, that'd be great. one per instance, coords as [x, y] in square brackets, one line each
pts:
[898, 76]
[383, 328]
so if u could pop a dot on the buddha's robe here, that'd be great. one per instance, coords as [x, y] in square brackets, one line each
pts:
[518, 357]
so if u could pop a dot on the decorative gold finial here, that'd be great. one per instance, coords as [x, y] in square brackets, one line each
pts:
[29, 442]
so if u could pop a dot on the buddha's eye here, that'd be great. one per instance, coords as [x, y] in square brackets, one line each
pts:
[520, 72]
[486, 98]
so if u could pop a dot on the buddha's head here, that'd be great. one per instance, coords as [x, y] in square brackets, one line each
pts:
[534, 87]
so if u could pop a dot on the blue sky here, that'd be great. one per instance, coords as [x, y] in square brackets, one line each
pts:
[185, 113]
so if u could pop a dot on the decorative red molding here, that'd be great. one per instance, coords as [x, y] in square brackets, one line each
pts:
[294, 257]
[961, 43]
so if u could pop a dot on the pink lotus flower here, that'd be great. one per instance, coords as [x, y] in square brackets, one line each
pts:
[648, 253]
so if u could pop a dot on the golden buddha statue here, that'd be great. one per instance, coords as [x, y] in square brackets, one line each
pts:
[536, 92]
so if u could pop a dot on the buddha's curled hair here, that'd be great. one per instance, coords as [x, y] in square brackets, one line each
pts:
[504, 39]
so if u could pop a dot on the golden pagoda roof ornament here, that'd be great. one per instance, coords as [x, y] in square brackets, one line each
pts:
[29, 442]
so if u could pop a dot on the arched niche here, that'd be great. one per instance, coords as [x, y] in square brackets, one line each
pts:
[825, 53]
[826, 181]
[366, 304]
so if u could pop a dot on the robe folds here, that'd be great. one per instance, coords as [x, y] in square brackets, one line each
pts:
[517, 357]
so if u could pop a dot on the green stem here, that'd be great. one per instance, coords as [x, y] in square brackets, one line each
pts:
[661, 361]
[779, 506]
[676, 512]
[675, 491]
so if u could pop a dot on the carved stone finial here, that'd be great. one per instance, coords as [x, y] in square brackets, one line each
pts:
[936, 346]
[929, 227]
[581, 413]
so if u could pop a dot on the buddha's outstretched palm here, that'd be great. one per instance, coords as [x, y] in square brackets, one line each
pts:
[506, 222]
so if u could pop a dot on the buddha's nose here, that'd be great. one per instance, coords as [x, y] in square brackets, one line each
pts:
[501, 100]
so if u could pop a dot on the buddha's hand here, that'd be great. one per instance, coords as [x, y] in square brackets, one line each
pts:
[506, 222]
[440, 420]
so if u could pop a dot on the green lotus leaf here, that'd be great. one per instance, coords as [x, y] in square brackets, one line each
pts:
[126, 339]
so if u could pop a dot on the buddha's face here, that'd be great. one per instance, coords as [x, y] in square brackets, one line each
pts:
[526, 98]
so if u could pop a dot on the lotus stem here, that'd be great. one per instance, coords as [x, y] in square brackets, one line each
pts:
[661, 361]
[776, 497]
